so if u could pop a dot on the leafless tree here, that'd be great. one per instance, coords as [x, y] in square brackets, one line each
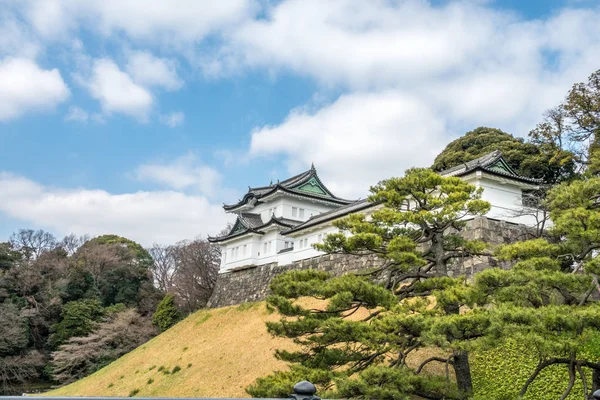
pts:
[72, 242]
[99, 258]
[533, 205]
[32, 243]
[116, 336]
[165, 265]
[197, 269]
[18, 369]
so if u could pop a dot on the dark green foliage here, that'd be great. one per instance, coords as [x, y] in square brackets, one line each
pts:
[150, 381]
[133, 392]
[176, 369]
[120, 271]
[166, 314]
[8, 256]
[81, 285]
[527, 159]
[78, 318]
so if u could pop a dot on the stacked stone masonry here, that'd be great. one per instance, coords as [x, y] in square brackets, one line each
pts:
[252, 283]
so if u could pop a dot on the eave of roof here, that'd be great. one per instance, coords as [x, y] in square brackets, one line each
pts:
[282, 222]
[332, 215]
[289, 186]
[483, 163]
[219, 239]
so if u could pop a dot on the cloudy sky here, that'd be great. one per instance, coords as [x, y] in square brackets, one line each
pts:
[141, 117]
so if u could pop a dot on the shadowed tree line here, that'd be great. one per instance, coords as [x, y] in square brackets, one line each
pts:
[69, 307]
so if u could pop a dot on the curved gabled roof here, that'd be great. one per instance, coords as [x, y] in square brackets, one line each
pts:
[492, 163]
[252, 223]
[307, 184]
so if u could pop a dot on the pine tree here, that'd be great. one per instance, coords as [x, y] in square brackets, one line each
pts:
[545, 300]
[359, 343]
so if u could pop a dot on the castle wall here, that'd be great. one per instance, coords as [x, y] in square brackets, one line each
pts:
[252, 283]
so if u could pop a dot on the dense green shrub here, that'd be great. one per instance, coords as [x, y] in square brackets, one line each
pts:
[78, 318]
[501, 373]
[166, 314]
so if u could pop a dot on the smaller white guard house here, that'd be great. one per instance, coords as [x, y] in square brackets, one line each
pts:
[280, 222]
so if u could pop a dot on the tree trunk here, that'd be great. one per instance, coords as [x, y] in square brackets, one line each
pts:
[462, 369]
[437, 248]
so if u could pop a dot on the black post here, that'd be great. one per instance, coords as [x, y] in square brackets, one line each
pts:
[304, 391]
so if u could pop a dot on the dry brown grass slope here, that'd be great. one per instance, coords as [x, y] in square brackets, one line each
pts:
[220, 352]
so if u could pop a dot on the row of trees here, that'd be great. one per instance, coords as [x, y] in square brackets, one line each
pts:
[68, 307]
[360, 341]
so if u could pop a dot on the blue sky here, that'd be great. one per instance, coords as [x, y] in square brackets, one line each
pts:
[142, 117]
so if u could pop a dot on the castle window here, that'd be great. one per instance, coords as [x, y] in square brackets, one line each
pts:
[244, 250]
[320, 238]
[265, 248]
[294, 212]
[301, 213]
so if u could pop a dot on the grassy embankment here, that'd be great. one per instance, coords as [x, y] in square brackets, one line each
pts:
[212, 353]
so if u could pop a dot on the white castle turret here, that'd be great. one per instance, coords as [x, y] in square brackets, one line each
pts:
[279, 223]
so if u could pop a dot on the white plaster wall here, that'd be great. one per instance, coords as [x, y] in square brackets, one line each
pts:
[229, 261]
[283, 204]
[506, 200]
[310, 208]
[307, 251]
[263, 209]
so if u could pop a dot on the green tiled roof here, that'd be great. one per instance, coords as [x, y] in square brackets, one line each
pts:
[493, 163]
[306, 184]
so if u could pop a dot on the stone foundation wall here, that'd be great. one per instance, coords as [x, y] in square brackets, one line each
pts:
[252, 283]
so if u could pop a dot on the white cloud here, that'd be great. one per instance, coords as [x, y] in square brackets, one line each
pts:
[116, 91]
[365, 44]
[185, 172]
[26, 87]
[16, 39]
[77, 114]
[476, 62]
[149, 70]
[415, 75]
[356, 141]
[146, 217]
[188, 20]
[173, 119]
